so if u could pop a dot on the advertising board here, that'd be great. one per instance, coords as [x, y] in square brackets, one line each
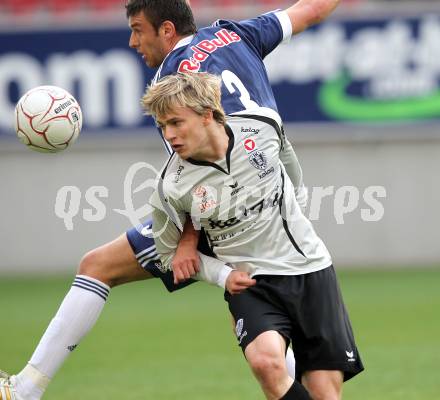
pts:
[370, 70]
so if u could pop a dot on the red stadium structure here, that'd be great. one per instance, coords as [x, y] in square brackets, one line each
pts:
[26, 7]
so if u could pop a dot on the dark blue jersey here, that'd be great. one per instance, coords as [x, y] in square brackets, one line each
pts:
[234, 51]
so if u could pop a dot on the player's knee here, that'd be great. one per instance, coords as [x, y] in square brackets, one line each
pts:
[267, 367]
[93, 265]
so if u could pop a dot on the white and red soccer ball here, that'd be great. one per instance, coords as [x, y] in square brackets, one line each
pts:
[48, 119]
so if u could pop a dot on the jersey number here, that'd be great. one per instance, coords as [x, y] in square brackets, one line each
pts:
[233, 83]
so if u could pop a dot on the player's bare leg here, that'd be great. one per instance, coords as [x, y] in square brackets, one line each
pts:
[101, 269]
[323, 385]
[290, 357]
[266, 357]
[113, 264]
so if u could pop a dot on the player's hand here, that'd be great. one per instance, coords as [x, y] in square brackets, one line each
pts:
[237, 281]
[185, 262]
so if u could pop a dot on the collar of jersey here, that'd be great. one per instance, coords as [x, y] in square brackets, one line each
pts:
[228, 155]
[182, 42]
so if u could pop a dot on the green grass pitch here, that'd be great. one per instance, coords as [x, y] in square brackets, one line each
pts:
[149, 344]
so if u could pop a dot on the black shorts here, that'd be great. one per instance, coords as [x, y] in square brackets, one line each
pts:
[308, 311]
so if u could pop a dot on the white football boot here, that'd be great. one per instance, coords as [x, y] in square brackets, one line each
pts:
[7, 387]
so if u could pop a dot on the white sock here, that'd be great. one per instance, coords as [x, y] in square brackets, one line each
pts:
[77, 314]
[290, 361]
[30, 383]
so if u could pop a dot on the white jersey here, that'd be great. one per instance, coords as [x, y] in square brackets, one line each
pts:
[245, 203]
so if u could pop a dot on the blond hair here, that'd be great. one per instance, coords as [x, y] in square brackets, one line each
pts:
[198, 91]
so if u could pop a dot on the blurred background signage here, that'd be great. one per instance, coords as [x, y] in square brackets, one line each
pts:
[381, 69]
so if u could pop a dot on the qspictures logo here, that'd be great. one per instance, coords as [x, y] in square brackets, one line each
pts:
[381, 71]
[141, 180]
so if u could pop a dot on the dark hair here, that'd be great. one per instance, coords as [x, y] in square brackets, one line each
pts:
[158, 11]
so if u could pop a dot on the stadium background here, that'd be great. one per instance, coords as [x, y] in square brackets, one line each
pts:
[360, 97]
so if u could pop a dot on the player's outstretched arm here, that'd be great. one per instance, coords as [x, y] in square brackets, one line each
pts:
[306, 13]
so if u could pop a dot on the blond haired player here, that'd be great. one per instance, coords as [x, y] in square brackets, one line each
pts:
[232, 183]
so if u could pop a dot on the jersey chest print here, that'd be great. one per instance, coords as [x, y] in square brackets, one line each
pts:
[202, 50]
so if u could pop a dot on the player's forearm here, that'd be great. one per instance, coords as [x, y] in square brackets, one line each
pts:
[190, 236]
[223, 275]
[306, 13]
[167, 236]
[213, 271]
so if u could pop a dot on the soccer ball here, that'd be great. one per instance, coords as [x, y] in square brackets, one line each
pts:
[48, 119]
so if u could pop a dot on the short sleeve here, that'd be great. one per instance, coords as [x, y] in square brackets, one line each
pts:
[267, 31]
[286, 25]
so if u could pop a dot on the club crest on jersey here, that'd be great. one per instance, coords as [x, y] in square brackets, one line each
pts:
[202, 50]
[258, 160]
[249, 145]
